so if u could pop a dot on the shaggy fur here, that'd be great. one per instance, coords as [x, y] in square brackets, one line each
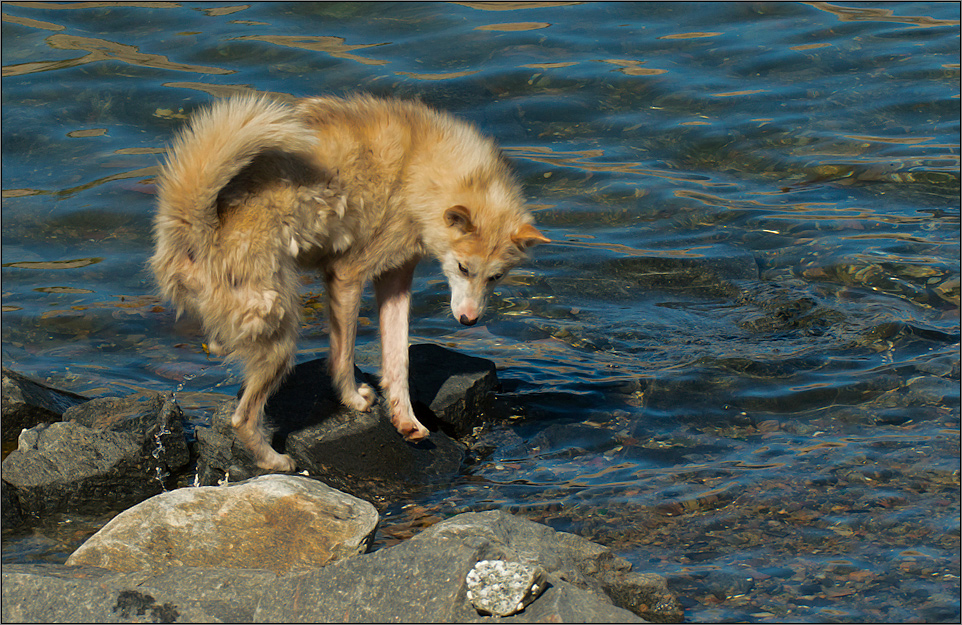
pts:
[358, 189]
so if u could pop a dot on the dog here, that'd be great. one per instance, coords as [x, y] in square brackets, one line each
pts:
[359, 188]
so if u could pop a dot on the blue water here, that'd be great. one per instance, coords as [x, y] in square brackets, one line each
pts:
[738, 366]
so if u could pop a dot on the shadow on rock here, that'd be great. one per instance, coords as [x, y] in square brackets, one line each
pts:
[360, 453]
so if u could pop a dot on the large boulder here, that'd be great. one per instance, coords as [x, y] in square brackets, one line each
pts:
[108, 453]
[25, 403]
[360, 453]
[421, 580]
[277, 522]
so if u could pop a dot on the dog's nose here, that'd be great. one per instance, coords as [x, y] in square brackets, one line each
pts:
[468, 322]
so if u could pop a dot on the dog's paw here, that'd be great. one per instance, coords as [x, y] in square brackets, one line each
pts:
[276, 462]
[363, 398]
[410, 428]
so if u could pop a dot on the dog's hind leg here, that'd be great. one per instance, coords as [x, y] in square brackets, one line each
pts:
[393, 291]
[344, 304]
[265, 364]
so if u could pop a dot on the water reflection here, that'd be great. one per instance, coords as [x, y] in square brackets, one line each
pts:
[739, 364]
[334, 46]
[872, 14]
[103, 50]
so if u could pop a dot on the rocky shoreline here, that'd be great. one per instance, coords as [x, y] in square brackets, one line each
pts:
[243, 547]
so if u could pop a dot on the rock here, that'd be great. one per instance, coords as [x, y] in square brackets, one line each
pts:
[277, 522]
[25, 403]
[113, 453]
[10, 514]
[49, 593]
[420, 580]
[360, 453]
[450, 388]
[424, 578]
[784, 308]
[709, 269]
[503, 588]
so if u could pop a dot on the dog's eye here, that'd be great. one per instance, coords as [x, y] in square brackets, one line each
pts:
[496, 277]
[463, 269]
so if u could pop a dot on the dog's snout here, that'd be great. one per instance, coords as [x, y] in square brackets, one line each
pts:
[467, 321]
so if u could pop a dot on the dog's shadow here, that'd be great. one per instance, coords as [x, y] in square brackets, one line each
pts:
[307, 399]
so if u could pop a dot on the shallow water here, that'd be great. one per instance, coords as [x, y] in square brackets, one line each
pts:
[739, 364]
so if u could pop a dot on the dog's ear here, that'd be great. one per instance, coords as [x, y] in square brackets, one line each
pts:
[527, 236]
[459, 217]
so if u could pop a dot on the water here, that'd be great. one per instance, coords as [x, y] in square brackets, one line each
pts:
[739, 365]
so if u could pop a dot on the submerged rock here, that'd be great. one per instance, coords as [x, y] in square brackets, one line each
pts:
[420, 580]
[111, 452]
[277, 522]
[711, 270]
[360, 453]
[26, 403]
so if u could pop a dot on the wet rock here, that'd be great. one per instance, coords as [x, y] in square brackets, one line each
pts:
[277, 522]
[449, 388]
[419, 580]
[786, 309]
[25, 403]
[725, 584]
[360, 453]
[114, 452]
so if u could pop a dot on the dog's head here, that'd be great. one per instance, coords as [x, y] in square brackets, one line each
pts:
[481, 254]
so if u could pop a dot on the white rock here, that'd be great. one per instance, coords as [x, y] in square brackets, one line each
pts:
[503, 588]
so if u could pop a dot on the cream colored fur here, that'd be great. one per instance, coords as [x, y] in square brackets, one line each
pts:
[358, 189]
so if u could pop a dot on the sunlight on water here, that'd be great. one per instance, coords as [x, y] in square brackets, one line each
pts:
[738, 366]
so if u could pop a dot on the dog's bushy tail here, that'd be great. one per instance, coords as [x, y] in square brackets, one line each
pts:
[207, 154]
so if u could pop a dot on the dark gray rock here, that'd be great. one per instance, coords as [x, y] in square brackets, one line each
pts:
[114, 452]
[420, 580]
[450, 388]
[360, 453]
[25, 403]
[10, 514]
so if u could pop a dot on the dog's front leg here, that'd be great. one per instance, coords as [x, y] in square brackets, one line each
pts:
[393, 291]
[344, 304]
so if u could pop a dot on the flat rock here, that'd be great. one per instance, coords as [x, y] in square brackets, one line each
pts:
[277, 522]
[25, 403]
[420, 580]
[360, 453]
[124, 451]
